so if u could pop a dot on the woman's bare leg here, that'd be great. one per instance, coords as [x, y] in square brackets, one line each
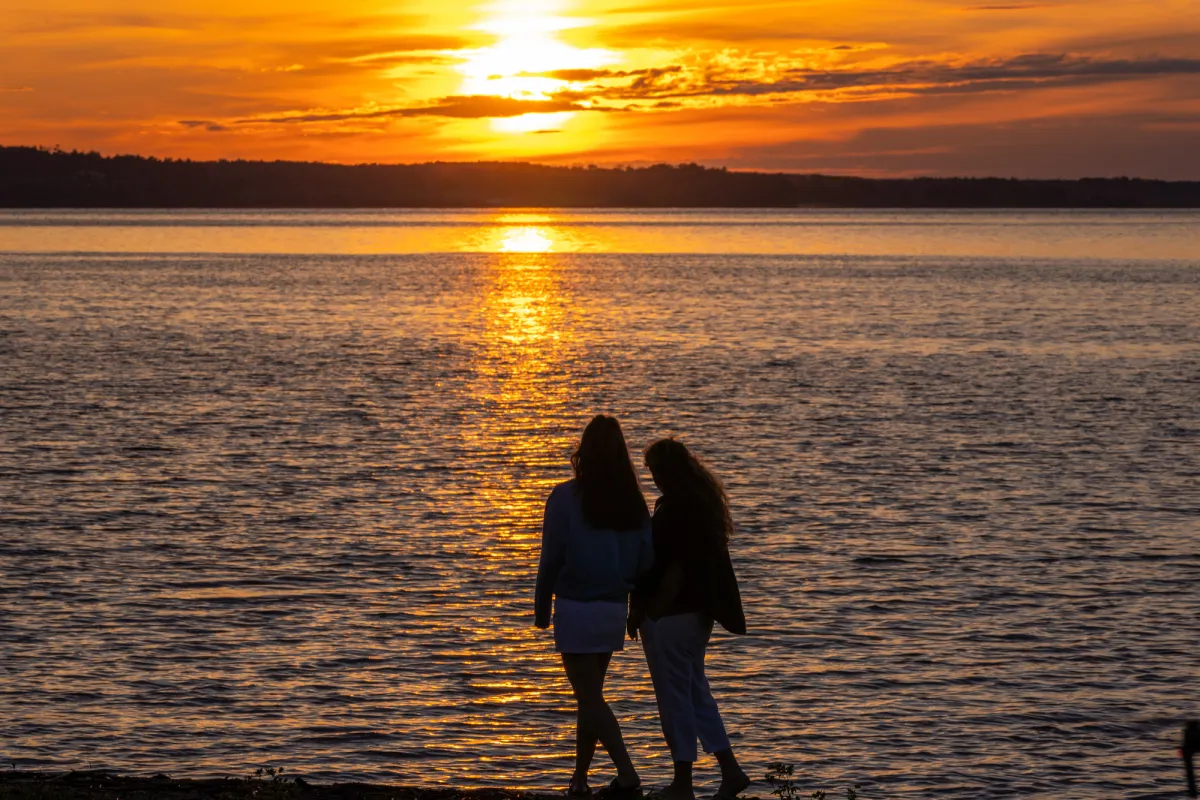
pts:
[596, 721]
[680, 787]
[585, 737]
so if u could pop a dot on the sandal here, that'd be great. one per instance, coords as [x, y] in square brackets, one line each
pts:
[573, 790]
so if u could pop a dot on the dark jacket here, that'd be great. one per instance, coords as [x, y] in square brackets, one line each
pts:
[709, 586]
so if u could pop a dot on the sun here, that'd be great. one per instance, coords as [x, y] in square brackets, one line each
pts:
[521, 63]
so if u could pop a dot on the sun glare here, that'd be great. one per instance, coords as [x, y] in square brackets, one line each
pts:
[526, 240]
[519, 64]
[532, 123]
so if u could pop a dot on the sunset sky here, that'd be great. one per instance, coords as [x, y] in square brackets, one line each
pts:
[1027, 89]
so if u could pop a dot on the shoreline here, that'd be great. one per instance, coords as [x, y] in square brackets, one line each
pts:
[108, 785]
[41, 178]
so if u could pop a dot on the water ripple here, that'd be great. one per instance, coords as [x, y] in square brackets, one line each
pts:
[284, 510]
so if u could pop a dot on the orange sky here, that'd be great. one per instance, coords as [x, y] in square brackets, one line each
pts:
[997, 87]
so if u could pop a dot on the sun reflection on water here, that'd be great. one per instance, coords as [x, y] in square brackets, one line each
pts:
[523, 427]
[526, 240]
[521, 387]
[523, 232]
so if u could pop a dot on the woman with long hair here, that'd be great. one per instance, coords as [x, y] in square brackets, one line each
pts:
[596, 543]
[691, 584]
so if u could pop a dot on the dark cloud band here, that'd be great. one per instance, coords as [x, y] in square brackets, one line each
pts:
[458, 106]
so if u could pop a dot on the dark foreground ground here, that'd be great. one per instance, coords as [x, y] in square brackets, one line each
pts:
[99, 785]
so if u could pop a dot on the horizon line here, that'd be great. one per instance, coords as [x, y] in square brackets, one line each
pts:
[586, 166]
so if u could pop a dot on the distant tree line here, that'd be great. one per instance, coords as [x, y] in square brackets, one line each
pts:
[33, 177]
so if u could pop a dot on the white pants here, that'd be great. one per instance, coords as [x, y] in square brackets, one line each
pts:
[674, 648]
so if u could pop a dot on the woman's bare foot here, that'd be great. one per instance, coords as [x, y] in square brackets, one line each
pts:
[734, 779]
[732, 785]
[673, 792]
[621, 791]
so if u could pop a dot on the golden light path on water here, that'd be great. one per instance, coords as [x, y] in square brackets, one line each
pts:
[520, 382]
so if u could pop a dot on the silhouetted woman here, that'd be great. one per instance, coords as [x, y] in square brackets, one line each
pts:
[691, 584]
[595, 543]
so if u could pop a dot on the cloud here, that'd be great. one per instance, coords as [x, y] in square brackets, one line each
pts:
[15, 89]
[425, 49]
[207, 125]
[373, 56]
[717, 30]
[319, 45]
[65, 22]
[455, 106]
[583, 75]
[741, 81]
[383, 48]
[71, 22]
[746, 78]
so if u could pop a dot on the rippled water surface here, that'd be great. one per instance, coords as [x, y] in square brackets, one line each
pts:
[268, 507]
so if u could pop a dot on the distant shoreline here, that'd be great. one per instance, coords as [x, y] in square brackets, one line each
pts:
[32, 177]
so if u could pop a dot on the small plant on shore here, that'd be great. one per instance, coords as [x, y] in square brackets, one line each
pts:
[267, 783]
[780, 779]
[851, 793]
[783, 784]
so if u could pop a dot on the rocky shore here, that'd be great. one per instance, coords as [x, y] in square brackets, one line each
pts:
[101, 785]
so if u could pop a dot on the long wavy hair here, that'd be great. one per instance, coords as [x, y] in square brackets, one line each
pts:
[684, 479]
[606, 479]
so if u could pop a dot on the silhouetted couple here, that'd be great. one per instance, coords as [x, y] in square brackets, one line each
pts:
[609, 569]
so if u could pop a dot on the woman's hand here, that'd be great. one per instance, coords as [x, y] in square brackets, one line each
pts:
[541, 622]
[633, 623]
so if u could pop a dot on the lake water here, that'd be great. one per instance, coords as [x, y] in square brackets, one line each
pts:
[272, 486]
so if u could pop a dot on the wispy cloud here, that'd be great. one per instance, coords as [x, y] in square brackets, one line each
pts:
[1011, 7]
[733, 77]
[207, 125]
[455, 106]
[733, 80]
[106, 22]
[583, 75]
